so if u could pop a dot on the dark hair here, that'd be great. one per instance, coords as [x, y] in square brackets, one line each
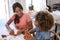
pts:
[31, 7]
[17, 5]
[49, 8]
[45, 20]
[16, 20]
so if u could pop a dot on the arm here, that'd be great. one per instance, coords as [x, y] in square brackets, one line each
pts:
[31, 31]
[11, 31]
[30, 26]
[28, 36]
[7, 24]
[29, 23]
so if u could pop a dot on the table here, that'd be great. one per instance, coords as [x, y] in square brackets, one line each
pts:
[20, 37]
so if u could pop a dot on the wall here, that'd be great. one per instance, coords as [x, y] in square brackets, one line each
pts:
[10, 10]
[51, 2]
[38, 4]
[23, 3]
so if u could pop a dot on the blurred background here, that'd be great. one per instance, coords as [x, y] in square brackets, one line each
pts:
[6, 9]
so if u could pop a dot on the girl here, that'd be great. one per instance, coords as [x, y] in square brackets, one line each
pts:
[21, 20]
[43, 22]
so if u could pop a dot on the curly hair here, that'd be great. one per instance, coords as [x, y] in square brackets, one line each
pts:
[45, 20]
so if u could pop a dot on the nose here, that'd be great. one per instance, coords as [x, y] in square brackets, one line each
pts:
[19, 12]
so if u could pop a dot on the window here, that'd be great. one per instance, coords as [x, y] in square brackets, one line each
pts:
[2, 10]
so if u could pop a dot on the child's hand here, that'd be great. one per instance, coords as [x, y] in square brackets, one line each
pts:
[28, 36]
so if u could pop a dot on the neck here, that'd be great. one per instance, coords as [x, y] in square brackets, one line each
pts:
[40, 30]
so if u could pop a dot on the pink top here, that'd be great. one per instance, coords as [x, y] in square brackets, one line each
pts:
[23, 24]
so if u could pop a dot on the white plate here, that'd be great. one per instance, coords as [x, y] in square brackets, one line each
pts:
[20, 37]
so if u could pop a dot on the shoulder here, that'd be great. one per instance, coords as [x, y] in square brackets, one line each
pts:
[36, 29]
[13, 16]
[26, 14]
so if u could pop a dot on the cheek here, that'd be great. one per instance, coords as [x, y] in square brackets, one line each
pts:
[35, 23]
[19, 13]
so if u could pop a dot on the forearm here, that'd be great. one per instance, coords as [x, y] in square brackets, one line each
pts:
[8, 27]
[8, 23]
[31, 31]
[30, 26]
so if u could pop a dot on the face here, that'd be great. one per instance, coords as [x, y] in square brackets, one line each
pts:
[19, 11]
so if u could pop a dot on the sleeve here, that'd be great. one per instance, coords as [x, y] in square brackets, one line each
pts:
[28, 18]
[13, 17]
